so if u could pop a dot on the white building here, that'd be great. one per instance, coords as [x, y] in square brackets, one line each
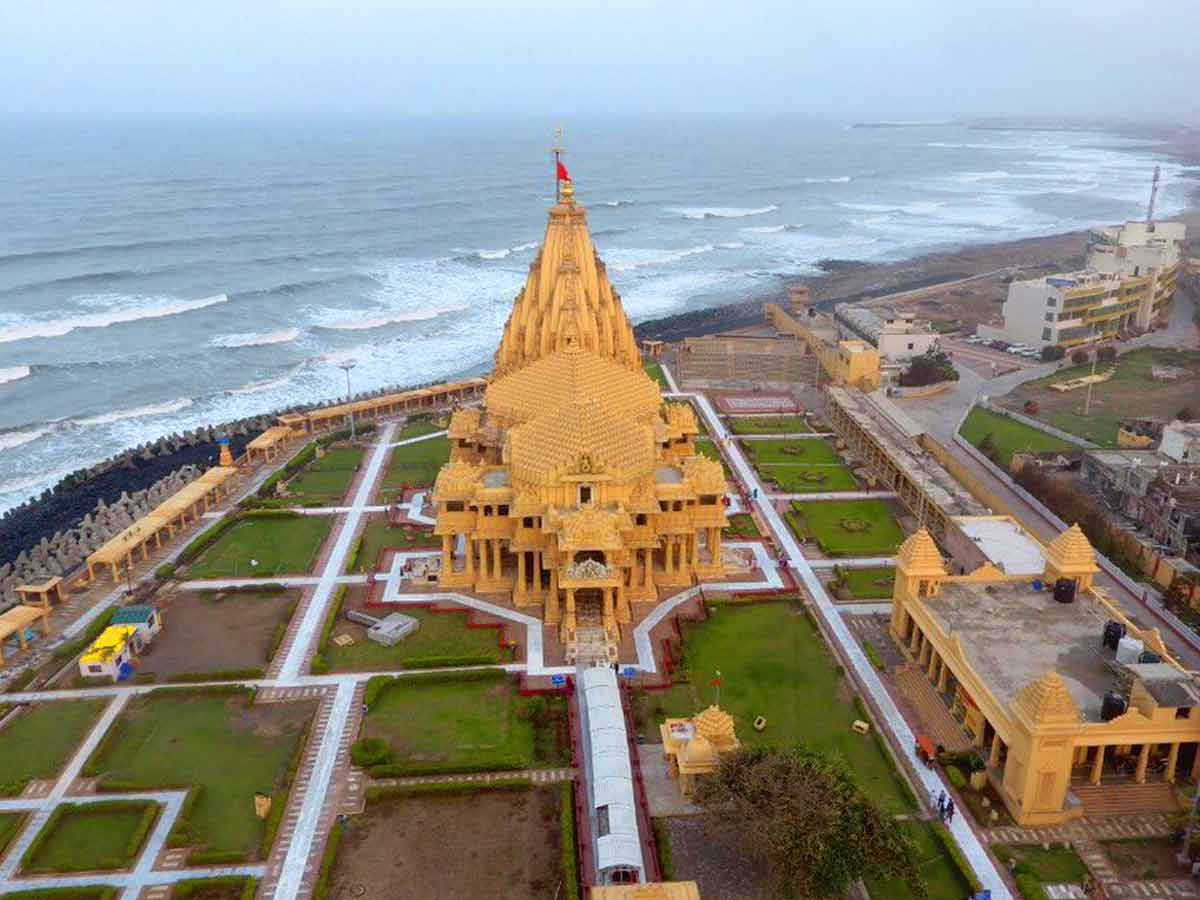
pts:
[1181, 442]
[899, 336]
[1137, 250]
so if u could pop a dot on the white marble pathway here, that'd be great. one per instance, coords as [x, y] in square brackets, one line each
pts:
[904, 740]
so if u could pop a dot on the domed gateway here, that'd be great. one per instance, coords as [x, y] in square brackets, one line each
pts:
[576, 488]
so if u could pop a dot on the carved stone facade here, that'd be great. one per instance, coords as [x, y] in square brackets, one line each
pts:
[576, 487]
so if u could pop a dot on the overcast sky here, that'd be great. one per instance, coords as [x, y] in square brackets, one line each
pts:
[849, 58]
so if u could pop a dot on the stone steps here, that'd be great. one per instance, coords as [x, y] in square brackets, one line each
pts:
[1126, 799]
[938, 725]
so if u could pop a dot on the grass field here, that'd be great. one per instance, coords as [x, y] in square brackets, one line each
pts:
[794, 479]
[767, 425]
[943, 881]
[870, 584]
[654, 370]
[417, 429]
[378, 536]
[773, 663]
[86, 837]
[847, 527]
[219, 741]
[741, 526]
[38, 742]
[805, 452]
[10, 824]
[441, 635]
[281, 545]
[326, 480]
[1058, 865]
[1132, 391]
[472, 723]
[414, 465]
[1008, 435]
[706, 447]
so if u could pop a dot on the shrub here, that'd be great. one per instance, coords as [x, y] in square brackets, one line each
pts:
[1052, 353]
[873, 655]
[368, 752]
[464, 767]
[217, 857]
[449, 662]
[932, 367]
[569, 863]
[207, 538]
[955, 853]
[165, 571]
[957, 779]
[219, 675]
[149, 817]
[1029, 887]
[182, 890]
[328, 858]
[376, 685]
[274, 817]
[662, 839]
[1080, 357]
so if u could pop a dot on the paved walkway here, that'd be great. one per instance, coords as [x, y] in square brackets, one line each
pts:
[1106, 829]
[892, 719]
[836, 495]
[862, 562]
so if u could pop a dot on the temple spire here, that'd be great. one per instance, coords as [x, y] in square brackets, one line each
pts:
[559, 150]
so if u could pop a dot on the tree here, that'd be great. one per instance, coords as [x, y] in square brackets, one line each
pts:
[1179, 594]
[1106, 355]
[807, 819]
[987, 446]
[930, 367]
[1187, 414]
[1052, 353]
[1080, 357]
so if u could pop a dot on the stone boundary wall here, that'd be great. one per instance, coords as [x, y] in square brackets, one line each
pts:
[1112, 570]
[984, 403]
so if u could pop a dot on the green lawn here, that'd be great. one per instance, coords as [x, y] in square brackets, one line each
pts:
[654, 370]
[378, 536]
[414, 465]
[870, 584]
[10, 824]
[417, 429]
[85, 837]
[441, 635]
[38, 742]
[326, 480]
[943, 881]
[281, 545]
[741, 526]
[768, 425]
[847, 527]
[1059, 865]
[219, 741]
[773, 663]
[804, 451]
[794, 479]
[475, 723]
[1008, 435]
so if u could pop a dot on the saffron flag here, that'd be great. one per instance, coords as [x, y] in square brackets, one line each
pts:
[716, 682]
[563, 174]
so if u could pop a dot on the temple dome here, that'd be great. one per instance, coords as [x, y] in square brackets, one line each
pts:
[1048, 700]
[919, 555]
[567, 302]
[1071, 553]
[700, 752]
[715, 724]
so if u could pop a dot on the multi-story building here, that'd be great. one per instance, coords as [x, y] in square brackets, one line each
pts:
[1128, 285]
[1181, 442]
[1137, 250]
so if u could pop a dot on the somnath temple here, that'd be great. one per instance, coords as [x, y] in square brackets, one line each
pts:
[575, 487]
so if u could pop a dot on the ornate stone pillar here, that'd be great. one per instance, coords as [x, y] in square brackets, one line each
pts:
[569, 619]
[470, 548]
[624, 615]
[552, 613]
[521, 574]
[994, 755]
[1143, 758]
[648, 576]
[1097, 765]
[447, 556]
[497, 569]
[1172, 762]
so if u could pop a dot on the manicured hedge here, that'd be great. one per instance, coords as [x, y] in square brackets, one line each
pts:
[449, 788]
[955, 853]
[448, 662]
[328, 858]
[181, 833]
[367, 752]
[320, 665]
[219, 675]
[569, 862]
[182, 890]
[149, 810]
[956, 778]
[90, 892]
[413, 769]
[205, 540]
[873, 655]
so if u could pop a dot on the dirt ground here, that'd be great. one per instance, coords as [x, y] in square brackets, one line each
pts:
[1144, 858]
[720, 870]
[501, 845]
[204, 632]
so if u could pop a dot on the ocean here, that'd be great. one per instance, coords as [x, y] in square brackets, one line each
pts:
[154, 278]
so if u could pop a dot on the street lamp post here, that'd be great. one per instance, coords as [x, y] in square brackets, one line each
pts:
[346, 367]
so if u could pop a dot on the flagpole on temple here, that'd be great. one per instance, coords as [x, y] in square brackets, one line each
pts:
[558, 152]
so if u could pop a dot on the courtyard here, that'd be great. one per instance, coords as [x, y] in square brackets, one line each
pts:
[847, 528]
[264, 545]
[443, 639]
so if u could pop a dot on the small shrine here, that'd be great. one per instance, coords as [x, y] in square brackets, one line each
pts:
[693, 747]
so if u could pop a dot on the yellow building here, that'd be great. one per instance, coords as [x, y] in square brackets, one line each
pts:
[693, 747]
[575, 488]
[850, 363]
[662, 890]
[1076, 710]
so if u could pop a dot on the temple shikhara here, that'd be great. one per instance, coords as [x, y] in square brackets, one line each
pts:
[576, 488]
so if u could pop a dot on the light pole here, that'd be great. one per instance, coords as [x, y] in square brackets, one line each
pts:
[346, 367]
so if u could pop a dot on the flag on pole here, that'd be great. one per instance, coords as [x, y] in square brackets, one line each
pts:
[563, 174]
[716, 682]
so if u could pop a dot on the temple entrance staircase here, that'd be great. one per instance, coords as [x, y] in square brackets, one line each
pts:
[1126, 798]
[592, 646]
[936, 721]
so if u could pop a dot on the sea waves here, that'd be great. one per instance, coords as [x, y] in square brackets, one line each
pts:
[11, 439]
[138, 412]
[147, 308]
[255, 339]
[505, 252]
[337, 320]
[721, 212]
[14, 373]
[772, 229]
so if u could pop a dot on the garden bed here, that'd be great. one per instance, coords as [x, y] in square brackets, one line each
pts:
[38, 741]
[851, 528]
[277, 544]
[444, 638]
[413, 465]
[767, 425]
[327, 479]
[91, 837]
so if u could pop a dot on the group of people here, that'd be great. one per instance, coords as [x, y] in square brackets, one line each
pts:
[945, 805]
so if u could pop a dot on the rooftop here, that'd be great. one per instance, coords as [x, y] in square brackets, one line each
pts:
[1012, 635]
[1005, 543]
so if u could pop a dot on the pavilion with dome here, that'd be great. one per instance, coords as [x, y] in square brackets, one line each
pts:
[693, 747]
[575, 489]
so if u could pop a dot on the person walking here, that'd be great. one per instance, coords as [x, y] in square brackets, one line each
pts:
[949, 811]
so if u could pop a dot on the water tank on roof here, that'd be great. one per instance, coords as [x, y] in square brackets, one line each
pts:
[1064, 590]
[1129, 650]
[1149, 656]
[1114, 705]
[1113, 632]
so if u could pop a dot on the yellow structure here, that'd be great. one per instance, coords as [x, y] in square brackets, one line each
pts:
[416, 400]
[17, 619]
[663, 890]
[106, 655]
[693, 747]
[40, 594]
[1064, 721]
[850, 363]
[267, 445]
[575, 487]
